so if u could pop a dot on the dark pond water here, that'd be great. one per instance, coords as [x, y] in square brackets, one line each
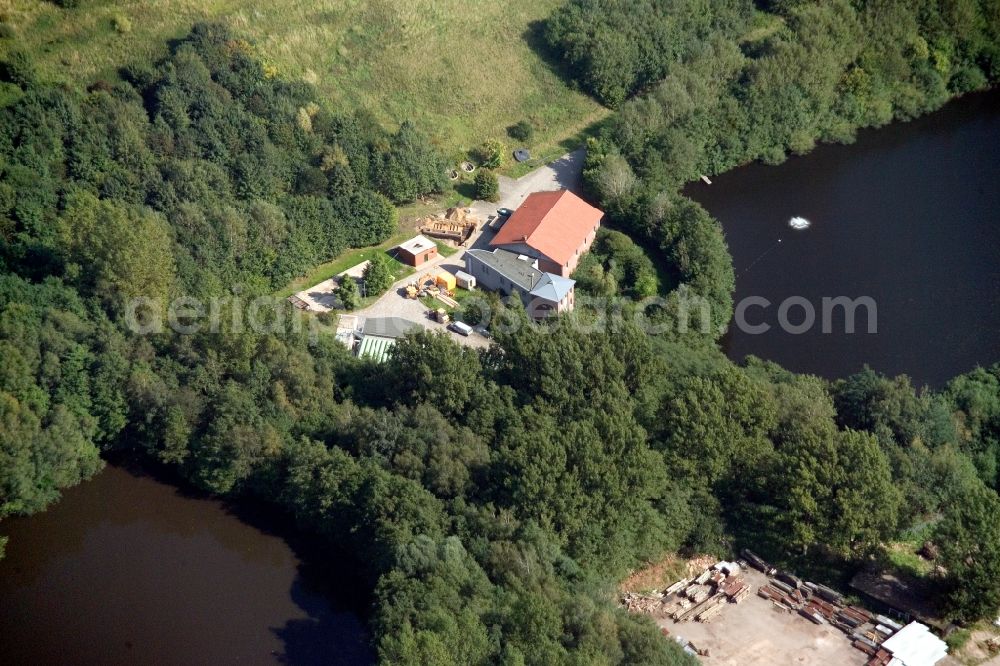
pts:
[909, 216]
[127, 569]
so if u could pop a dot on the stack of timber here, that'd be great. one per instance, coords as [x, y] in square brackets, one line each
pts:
[735, 589]
[881, 658]
[711, 608]
[777, 596]
[700, 598]
[698, 593]
[757, 562]
[457, 225]
[697, 608]
[640, 603]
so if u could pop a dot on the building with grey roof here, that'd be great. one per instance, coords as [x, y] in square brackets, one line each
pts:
[543, 293]
[389, 327]
[379, 336]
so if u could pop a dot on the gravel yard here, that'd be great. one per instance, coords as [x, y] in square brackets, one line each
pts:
[757, 633]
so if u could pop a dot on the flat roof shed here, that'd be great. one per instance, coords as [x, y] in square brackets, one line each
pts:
[417, 250]
[915, 645]
[376, 347]
[389, 327]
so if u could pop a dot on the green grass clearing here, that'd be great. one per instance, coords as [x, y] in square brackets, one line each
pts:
[764, 25]
[903, 557]
[465, 70]
[445, 249]
[903, 554]
[345, 261]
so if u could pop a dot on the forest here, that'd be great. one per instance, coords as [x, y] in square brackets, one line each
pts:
[490, 500]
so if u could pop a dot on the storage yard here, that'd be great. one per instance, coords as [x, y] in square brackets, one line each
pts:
[735, 614]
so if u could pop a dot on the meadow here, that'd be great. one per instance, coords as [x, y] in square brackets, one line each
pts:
[464, 70]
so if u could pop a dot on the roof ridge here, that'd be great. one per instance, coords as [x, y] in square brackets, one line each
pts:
[554, 222]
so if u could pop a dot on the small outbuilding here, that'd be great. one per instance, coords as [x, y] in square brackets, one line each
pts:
[915, 645]
[465, 281]
[445, 280]
[417, 251]
[380, 334]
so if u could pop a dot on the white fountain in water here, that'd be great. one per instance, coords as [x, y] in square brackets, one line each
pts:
[799, 223]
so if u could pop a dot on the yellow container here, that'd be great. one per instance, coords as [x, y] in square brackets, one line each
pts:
[445, 281]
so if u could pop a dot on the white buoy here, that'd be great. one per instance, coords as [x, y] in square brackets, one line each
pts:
[799, 223]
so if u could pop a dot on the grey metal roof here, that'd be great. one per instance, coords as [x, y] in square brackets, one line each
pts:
[521, 273]
[389, 327]
[552, 287]
[915, 645]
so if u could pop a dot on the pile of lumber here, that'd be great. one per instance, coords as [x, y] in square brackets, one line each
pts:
[641, 603]
[823, 605]
[778, 597]
[704, 596]
[711, 608]
[880, 658]
[698, 593]
[696, 609]
[757, 562]
[735, 589]
[457, 224]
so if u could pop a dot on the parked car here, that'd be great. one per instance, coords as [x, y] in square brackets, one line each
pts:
[504, 213]
[460, 327]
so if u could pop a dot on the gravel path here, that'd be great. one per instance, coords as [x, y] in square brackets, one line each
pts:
[564, 173]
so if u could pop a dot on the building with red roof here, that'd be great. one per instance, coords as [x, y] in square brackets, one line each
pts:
[556, 228]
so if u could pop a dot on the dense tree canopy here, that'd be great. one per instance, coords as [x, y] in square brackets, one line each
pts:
[246, 178]
[489, 496]
[615, 264]
[616, 48]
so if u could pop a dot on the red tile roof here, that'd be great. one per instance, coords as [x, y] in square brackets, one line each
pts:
[554, 223]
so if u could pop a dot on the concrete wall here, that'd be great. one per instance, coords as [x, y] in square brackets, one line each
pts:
[540, 308]
[486, 278]
[575, 260]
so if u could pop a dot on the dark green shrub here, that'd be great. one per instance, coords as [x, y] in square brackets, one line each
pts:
[522, 131]
[378, 275]
[347, 292]
[18, 69]
[487, 186]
